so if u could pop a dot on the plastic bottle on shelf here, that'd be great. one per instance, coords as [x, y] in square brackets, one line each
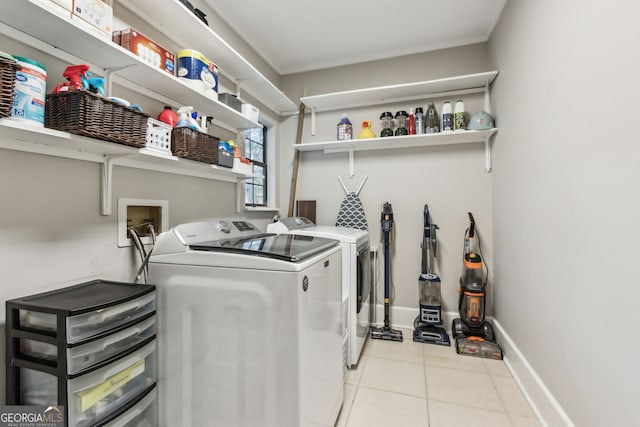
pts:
[185, 119]
[366, 131]
[168, 116]
[386, 120]
[345, 130]
[432, 123]
[401, 123]
[447, 117]
[458, 117]
[412, 122]
[419, 121]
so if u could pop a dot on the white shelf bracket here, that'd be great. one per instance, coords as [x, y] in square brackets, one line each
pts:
[487, 153]
[108, 73]
[106, 182]
[313, 121]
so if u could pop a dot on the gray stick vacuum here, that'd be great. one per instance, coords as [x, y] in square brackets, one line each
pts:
[386, 333]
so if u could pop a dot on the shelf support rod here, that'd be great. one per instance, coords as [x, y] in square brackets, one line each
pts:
[487, 98]
[238, 87]
[487, 153]
[351, 162]
[313, 121]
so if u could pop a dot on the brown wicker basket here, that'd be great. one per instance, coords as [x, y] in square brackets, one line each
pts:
[8, 68]
[193, 145]
[84, 113]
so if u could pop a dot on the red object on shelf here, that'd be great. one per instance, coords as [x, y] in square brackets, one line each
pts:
[412, 124]
[168, 116]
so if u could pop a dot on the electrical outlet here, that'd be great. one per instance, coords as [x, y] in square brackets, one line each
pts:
[138, 213]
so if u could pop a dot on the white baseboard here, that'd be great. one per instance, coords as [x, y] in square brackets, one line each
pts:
[544, 404]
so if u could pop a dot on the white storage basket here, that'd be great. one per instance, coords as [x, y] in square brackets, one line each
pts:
[158, 136]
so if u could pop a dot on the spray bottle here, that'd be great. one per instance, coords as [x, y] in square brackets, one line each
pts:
[75, 73]
[185, 119]
[94, 84]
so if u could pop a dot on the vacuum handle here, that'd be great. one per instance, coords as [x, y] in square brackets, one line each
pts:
[472, 226]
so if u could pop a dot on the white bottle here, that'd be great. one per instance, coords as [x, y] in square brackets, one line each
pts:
[419, 120]
[447, 117]
[458, 117]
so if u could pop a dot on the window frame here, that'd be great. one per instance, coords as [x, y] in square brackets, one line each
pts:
[265, 167]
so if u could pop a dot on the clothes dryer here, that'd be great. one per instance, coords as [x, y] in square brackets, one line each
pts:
[248, 326]
[356, 276]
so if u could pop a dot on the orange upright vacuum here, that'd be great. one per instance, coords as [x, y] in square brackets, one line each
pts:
[474, 335]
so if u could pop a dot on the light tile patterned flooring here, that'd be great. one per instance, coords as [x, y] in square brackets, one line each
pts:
[402, 384]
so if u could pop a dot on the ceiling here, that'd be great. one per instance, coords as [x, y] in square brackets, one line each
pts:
[303, 35]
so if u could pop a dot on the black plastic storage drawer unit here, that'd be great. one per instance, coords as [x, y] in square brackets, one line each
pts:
[89, 347]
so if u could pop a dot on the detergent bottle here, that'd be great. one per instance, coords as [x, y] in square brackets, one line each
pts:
[366, 131]
[168, 116]
[184, 115]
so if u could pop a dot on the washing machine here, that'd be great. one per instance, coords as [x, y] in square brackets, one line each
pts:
[248, 326]
[356, 277]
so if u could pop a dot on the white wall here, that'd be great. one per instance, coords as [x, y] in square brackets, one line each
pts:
[452, 180]
[51, 231]
[565, 205]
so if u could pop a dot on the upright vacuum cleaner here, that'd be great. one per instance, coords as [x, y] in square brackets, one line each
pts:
[428, 324]
[386, 333]
[474, 336]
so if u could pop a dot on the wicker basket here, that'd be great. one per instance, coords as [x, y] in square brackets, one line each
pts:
[84, 113]
[8, 68]
[193, 145]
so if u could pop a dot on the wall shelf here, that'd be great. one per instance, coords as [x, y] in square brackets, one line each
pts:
[187, 30]
[450, 86]
[60, 36]
[41, 25]
[19, 136]
[400, 142]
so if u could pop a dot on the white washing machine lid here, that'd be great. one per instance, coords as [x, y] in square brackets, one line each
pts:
[239, 237]
[286, 247]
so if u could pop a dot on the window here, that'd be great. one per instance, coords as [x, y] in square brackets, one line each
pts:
[255, 150]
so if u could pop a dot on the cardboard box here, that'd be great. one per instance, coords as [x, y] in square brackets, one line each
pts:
[116, 37]
[131, 39]
[98, 13]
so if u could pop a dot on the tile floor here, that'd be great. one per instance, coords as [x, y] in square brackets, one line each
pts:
[404, 384]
